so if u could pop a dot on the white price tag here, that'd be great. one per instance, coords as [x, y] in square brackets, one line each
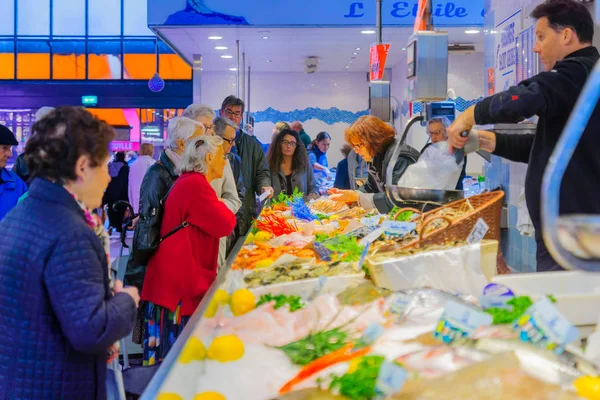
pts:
[478, 232]
[264, 196]
[371, 237]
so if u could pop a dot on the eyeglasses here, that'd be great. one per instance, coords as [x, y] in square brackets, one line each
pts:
[209, 127]
[230, 113]
[439, 132]
[230, 141]
[291, 144]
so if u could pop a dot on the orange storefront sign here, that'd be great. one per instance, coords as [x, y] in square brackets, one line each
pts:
[379, 54]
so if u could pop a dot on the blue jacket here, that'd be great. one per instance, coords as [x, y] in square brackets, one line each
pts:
[11, 188]
[57, 314]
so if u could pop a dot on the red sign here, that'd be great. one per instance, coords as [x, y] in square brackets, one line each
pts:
[124, 146]
[420, 23]
[379, 54]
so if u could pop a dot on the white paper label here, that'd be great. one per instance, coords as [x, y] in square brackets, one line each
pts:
[478, 232]
[264, 196]
[371, 237]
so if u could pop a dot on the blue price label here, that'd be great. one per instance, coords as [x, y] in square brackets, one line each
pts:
[544, 326]
[495, 302]
[390, 379]
[397, 228]
[371, 334]
[496, 289]
[459, 321]
[371, 221]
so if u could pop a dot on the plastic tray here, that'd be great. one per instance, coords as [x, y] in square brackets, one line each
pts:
[577, 293]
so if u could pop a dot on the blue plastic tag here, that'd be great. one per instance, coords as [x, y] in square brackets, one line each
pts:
[496, 289]
[390, 379]
[371, 221]
[371, 334]
[544, 326]
[495, 302]
[459, 321]
[323, 252]
[397, 228]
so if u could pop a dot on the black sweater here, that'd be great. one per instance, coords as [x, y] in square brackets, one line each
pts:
[551, 96]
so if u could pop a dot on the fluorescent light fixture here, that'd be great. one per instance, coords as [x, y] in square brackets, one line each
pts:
[215, 37]
[226, 56]
[472, 31]
[233, 69]
[368, 32]
[221, 48]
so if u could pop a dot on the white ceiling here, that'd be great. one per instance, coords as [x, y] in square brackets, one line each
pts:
[287, 48]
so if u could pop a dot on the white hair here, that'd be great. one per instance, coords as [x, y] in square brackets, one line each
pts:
[194, 156]
[42, 112]
[181, 128]
[196, 111]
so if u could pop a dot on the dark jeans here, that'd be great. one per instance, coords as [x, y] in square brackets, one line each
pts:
[545, 262]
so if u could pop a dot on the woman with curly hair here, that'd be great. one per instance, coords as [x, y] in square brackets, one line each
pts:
[289, 165]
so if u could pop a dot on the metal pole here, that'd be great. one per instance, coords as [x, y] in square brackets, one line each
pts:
[237, 66]
[248, 102]
[197, 79]
[243, 76]
[379, 25]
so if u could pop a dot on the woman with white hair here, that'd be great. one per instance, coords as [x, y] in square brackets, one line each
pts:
[185, 264]
[156, 184]
[203, 114]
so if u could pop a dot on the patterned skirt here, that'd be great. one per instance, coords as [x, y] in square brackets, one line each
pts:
[161, 328]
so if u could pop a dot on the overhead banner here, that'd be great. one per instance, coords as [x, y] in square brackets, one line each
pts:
[274, 13]
[378, 57]
[506, 51]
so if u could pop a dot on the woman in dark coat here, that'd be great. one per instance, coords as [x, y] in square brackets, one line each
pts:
[59, 316]
[118, 189]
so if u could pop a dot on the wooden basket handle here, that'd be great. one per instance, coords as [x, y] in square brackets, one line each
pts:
[426, 223]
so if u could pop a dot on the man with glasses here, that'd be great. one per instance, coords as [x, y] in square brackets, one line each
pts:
[255, 173]
[437, 131]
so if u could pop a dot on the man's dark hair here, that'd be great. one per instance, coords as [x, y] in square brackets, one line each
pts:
[233, 101]
[120, 156]
[567, 14]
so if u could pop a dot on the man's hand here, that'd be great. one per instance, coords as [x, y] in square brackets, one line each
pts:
[463, 123]
[343, 196]
[269, 189]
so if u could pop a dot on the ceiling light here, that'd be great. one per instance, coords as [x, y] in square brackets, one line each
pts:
[215, 37]
[269, 61]
[221, 48]
[226, 56]
[355, 53]
[346, 67]
[357, 49]
[368, 32]
[472, 31]
[265, 37]
[353, 58]
[350, 62]
[233, 69]
[404, 49]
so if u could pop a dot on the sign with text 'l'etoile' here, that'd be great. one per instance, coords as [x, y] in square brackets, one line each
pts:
[378, 57]
[273, 13]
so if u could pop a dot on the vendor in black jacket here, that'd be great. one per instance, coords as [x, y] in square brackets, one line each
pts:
[564, 32]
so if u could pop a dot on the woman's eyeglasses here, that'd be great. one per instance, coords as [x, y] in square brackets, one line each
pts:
[287, 143]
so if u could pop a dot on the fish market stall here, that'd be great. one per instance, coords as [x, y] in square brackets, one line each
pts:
[324, 301]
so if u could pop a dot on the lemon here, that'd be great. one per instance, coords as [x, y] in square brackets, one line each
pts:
[221, 297]
[334, 217]
[242, 301]
[263, 263]
[226, 348]
[249, 238]
[262, 236]
[209, 396]
[212, 309]
[169, 396]
[588, 387]
[194, 350]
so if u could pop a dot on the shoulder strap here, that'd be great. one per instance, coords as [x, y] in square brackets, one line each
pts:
[173, 231]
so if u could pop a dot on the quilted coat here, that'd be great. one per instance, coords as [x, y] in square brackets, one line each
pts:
[57, 314]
